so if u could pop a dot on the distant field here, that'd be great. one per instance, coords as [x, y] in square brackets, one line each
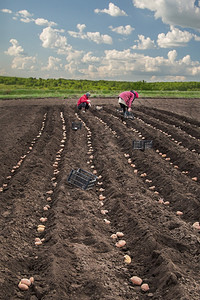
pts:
[10, 92]
[18, 87]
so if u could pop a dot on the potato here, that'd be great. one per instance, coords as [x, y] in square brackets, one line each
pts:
[106, 221]
[120, 243]
[38, 243]
[119, 234]
[194, 178]
[23, 286]
[41, 228]
[143, 175]
[144, 287]
[127, 259]
[166, 203]
[152, 187]
[179, 213]
[196, 225]
[25, 281]
[49, 192]
[104, 211]
[113, 236]
[31, 280]
[42, 219]
[136, 280]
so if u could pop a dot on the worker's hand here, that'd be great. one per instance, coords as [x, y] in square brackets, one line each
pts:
[129, 109]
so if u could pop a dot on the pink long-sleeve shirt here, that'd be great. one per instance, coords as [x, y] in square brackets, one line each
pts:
[128, 97]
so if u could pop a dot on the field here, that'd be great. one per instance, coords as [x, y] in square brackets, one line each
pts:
[151, 196]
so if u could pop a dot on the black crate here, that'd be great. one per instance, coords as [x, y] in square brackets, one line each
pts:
[76, 125]
[143, 144]
[82, 179]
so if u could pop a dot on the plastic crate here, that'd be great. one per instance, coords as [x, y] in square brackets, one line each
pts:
[82, 179]
[143, 144]
[76, 125]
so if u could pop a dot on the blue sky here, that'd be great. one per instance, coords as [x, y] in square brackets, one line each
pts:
[130, 40]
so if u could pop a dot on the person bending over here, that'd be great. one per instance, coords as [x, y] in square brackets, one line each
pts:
[125, 99]
[84, 102]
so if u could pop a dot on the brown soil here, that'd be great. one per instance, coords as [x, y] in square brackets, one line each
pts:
[78, 259]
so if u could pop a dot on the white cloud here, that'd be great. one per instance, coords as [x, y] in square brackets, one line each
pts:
[44, 22]
[124, 30]
[124, 55]
[51, 38]
[187, 60]
[112, 10]
[196, 38]
[53, 64]
[25, 16]
[74, 55]
[174, 38]
[81, 27]
[23, 63]
[89, 58]
[90, 71]
[24, 13]
[7, 11]
[123, 64]
[20, 61]
[195, 71]
[15, 49]
[95, 37]
[172, 56]
[72, 70]
[98, 38]
[174, 12]
[144, 43]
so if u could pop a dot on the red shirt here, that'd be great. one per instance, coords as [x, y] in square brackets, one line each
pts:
[128, 97]
[83, 98]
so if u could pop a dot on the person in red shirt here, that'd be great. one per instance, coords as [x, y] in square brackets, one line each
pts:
[84, 102]
[125, 99]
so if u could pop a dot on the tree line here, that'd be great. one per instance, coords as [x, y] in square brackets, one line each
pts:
[98, 85]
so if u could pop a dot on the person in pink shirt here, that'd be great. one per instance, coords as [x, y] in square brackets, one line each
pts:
[125, 99]
[84, 102]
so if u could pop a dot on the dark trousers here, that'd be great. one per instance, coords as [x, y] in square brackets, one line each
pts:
[124, 107]
[83, 105]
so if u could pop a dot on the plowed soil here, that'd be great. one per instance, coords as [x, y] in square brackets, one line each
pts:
[140, 190]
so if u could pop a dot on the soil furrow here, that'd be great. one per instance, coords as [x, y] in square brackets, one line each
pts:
[140, 197]
[187, 161]
[190, 126]
[137, 218]
[174, 133]
[17, 136]
[25, 196]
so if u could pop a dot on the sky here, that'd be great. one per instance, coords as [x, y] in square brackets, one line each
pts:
[122, 40]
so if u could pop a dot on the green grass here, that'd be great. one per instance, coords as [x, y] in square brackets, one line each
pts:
[14, 92]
